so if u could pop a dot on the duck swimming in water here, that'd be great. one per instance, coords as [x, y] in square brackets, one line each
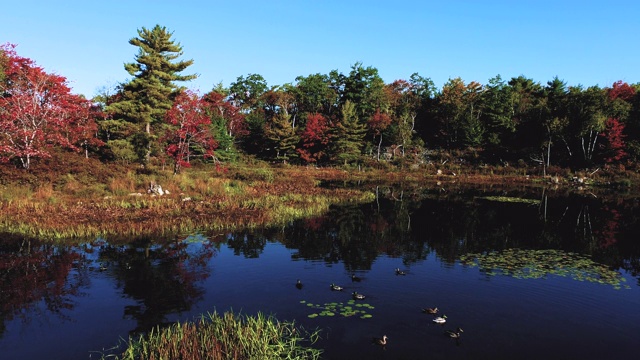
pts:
[357, 296]
[355, 278]
[440, 320]
[454, 334]
[380, 341]
[431, 311]
[400, 272]
[299, 284]
[335, 287]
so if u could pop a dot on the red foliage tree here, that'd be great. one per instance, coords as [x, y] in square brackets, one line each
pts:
[37, 111]
[189, 134]
[314, 138]
[614, 146]
[216, 103]
[378, 122]
[621, 90]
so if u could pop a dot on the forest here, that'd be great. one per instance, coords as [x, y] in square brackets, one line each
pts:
[349, 120]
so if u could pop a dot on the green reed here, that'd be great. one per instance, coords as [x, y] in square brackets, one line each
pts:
[226, 336]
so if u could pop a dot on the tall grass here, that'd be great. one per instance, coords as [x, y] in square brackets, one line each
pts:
[226, 336]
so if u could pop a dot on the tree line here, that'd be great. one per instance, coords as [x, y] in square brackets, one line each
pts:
[323, 119]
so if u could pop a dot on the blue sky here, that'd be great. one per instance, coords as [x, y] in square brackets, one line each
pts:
[581, 41]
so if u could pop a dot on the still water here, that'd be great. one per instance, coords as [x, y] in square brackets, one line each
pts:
[556, 277]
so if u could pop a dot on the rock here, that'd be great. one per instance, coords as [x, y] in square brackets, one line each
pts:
[155, 189]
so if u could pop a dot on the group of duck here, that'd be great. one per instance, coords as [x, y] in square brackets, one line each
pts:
[382, 341]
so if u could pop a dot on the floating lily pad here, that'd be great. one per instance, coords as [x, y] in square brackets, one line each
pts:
[535, 264]
[345, 310]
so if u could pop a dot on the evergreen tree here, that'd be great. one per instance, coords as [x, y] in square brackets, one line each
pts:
[348, 135]
[282, 135]
[145, 99]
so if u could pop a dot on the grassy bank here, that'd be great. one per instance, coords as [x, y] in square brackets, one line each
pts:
[226, 336]
[69, 197]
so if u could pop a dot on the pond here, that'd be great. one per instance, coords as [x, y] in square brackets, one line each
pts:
[526, 275]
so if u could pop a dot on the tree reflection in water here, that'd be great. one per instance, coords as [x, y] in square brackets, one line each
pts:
[162, 276]
[412, 224]
[36, 279]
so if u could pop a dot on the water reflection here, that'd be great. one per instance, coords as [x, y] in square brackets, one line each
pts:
[454, 224]
[581, 236]
[162, 278]
[36, 279]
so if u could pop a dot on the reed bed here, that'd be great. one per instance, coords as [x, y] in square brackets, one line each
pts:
[225, 337]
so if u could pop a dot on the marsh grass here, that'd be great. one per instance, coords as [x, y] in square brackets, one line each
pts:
[226, 336]
[198, 201]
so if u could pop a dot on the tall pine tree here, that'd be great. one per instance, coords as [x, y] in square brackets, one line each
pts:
[145, 99]
[348, 135]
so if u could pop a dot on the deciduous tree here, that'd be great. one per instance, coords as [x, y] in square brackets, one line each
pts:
[314, 139]
[37, 111]
[189, 135]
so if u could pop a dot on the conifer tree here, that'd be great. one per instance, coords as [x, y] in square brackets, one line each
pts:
[282, 135]
[145, 99]
[348, 135]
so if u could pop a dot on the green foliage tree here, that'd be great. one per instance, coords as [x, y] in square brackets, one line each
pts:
[245, 93]
[348, 135]
[282, 136]
[526, 95]
[587, 116]
[496, 116]
[364, 88]
[314, 94]
[145, 99]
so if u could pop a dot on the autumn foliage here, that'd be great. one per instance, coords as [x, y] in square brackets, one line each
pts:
[614, 145]
[37, 111]
[314, 139]
[189, 135]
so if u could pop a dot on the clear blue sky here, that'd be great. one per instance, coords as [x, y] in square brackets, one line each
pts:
[584, 42]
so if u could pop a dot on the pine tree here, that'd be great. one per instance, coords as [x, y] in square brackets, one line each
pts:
[145, 99]
[348, 135]
[280, 132]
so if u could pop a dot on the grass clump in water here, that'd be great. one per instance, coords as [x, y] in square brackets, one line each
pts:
[226, 336]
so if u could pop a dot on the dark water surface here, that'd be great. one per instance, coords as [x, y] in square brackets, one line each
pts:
[555, 279]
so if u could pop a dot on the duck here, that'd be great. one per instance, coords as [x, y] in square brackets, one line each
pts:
[440, 319]
[102, 267]
[355, 278]
[431, 311]
[299, 284]
[454, 334]
[400, 272]
[335, 287]
[357, 296]
[380, 341]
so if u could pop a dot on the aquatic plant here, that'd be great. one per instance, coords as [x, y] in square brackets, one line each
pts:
[535, 264]
[226, 336]
[350, 308]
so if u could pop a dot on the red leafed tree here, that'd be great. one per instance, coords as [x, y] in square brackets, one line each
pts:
[189, 134]
[215, 102]
[314, 138]
[378, 122]
[35, 109]
[621, 90]
[614, 146]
